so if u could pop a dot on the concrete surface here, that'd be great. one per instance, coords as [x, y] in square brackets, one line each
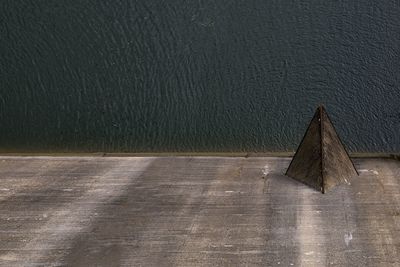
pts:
[193, 211]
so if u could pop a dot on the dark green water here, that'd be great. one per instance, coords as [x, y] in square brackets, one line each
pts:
[173, 75]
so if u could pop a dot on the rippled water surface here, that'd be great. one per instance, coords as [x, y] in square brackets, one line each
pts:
[196, 75]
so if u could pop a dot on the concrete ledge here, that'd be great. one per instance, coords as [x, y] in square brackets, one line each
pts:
[193, 211]
[186, 154]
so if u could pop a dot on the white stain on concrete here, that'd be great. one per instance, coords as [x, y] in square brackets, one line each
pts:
[69, 221]
[265, 171]
[309, 239]
[68, 190]
[369, 170]
[347, 238]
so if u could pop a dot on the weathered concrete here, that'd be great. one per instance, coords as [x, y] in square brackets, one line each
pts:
[193, 211]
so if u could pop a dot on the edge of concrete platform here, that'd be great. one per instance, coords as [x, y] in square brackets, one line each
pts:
[188, 154]
[395, 156]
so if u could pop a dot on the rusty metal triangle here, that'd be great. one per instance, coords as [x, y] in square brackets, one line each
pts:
[321, 161]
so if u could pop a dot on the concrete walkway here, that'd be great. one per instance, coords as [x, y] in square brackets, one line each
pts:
[193, 211]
